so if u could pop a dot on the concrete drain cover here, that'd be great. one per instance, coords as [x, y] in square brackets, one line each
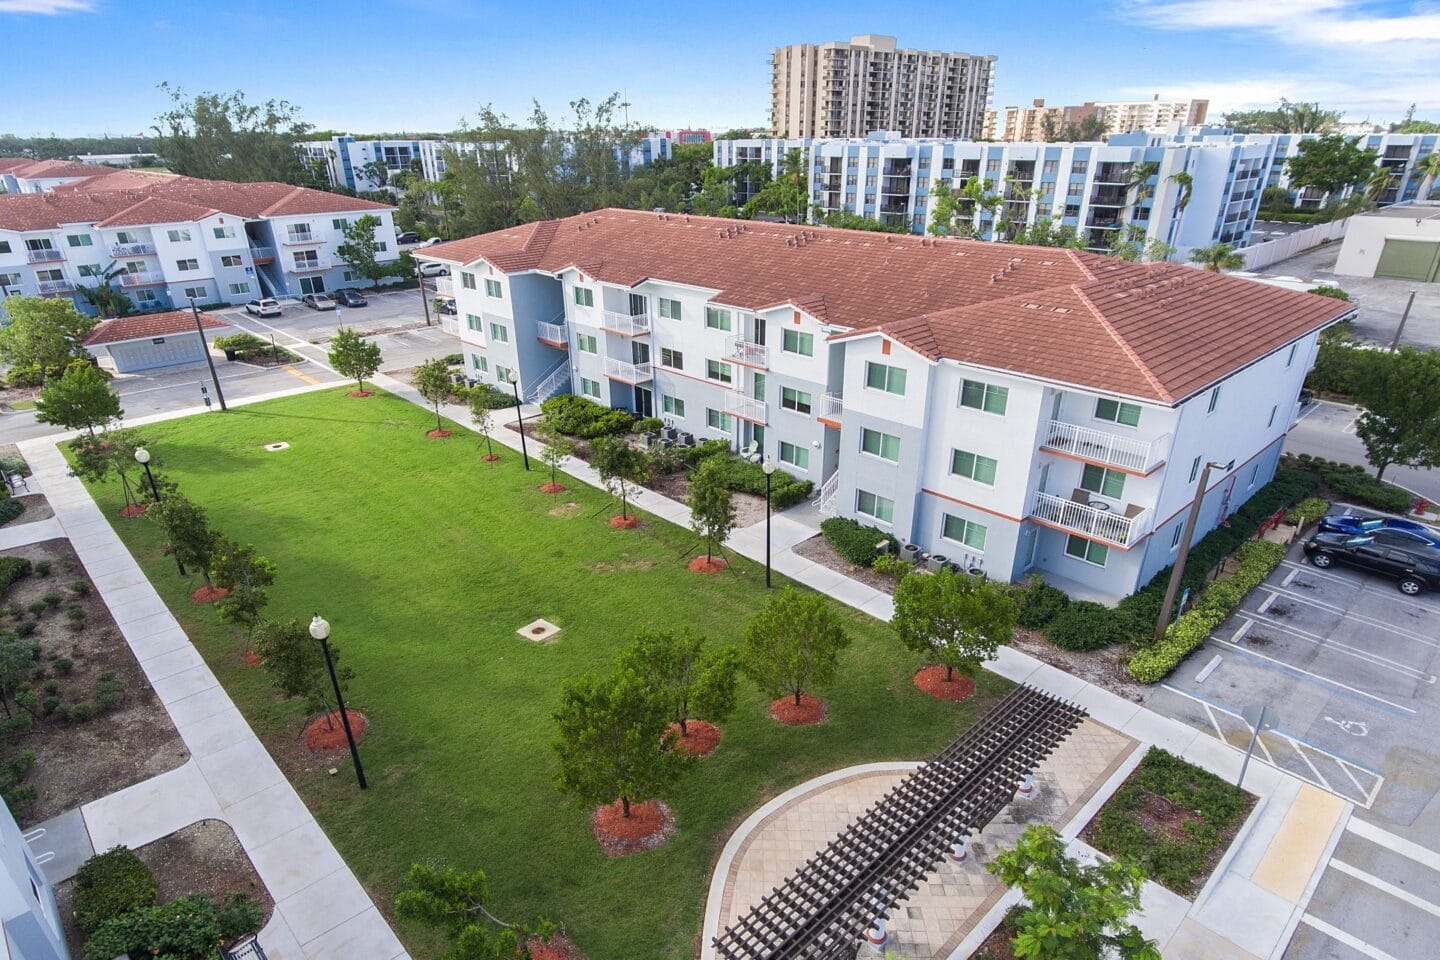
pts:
[272, 447]
[540, 631]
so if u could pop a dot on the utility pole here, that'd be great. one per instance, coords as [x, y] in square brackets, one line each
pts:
[1403, 317]
[205, 347]
[424, 300]
[1178, 570]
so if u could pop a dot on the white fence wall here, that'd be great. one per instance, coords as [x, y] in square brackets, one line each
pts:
[1273, 251]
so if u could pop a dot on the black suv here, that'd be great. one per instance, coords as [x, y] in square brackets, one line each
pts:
[1414, 568]
[349, 298]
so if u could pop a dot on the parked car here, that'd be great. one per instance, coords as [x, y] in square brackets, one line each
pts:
[1414, 568]
[1397, 529]
[349, 298]
[318, 301]
[263, 308]
[432, 270]
[447, 307]
[408, 236]
[432, 241]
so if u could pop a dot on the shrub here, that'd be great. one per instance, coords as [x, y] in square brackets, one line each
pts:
[746, 477]
[10, 509]
[1085, 625]
[1039, 602]
[42, 567]
[1329, 290]
[82, 712]
[14, 465]
[891, 565]
[25, 628]
[37, 608]
[108, 692]
[51, 599]
[239, 915]
[706, 449]
[577, 416]
[186, 928]
[81, 588]
[649, 425]
[454, 359]
[76, 615]
[49, 705]
[240, 342]
[490, 397]
[12, 569]
[64, 665]
[854, 541]
[1307, 511]
[110, 884]
[1355, 483]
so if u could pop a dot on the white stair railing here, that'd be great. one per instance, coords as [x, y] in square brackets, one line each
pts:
[557, 380]
[825, 499]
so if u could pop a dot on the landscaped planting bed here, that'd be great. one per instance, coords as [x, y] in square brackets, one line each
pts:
[425, 560]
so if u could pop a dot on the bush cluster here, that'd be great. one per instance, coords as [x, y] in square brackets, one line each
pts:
[10, 508]
[111, 884]
[706, 449]
[488, 396]
[12, 569]
[746, 477]
[1086, 625]
[248, 347]
[1355, 483]
[1257, 558]
[1307, 511]
[1039, 602]
[1342, 367]
[577, 416]
[15, 465]
[855, 541]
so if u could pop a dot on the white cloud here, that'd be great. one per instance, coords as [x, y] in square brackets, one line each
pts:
[47, 7]
[1328, 22]
[1378, 98]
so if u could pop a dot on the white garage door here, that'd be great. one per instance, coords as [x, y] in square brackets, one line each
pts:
[159, 352]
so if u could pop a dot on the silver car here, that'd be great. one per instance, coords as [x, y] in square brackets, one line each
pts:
[318, 301]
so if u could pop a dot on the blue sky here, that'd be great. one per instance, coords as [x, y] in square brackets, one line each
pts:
[93, 66]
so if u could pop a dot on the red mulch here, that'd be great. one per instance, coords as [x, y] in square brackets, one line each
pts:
[361, 393]
[559, 948]
[133, 509]
[322, 737]
[713, 565]
[624, 523]
[548, 487]
[650, 824]
[932, 680]
[437, 434]
[251, 658]
[209, 594]
[490, 457]
[809, 710]
[701, 739]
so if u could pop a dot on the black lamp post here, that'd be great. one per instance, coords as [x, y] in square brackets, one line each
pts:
[769, 467]
[320, 630]
[142, 456]
[519, 420]
[205, 348]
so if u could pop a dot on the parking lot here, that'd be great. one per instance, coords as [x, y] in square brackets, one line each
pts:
[1346, 667]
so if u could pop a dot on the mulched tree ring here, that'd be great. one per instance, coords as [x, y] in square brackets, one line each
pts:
[250, 658]
[360, 393]
[701, 738]
[490, 457]
[809, 710]
[650, 824]
[326, 733]
[710, 565]
[548, 487]
[624, 523]
[437, 434]
[209, 594]
[932, 680]
[133, 509]
[559, 948]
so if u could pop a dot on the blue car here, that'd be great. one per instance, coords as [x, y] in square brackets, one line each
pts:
[1395, 530]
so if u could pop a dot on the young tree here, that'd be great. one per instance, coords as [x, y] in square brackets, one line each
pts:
[353, 356]
[454, 902]
[793, 645]
[954, 618]
[554, 448]
[620, 465]
[1072, 911]
[44, 334]
[1330, 164]
[484, 419]
[786, 195]
[432, 379]
[238, 568]
[104, 296]
[614, 741]
[1130, 243]
[296, 665]
[185, 524]
[690, 680]
[712, 508]
[96, 456]
[81, 398]
[1400, 422]
[1217, 257]
[360, 249]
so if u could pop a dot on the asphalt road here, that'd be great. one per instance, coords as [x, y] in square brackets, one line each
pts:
[1327, 430]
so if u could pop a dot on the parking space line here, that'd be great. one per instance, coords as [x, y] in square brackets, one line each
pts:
[1323, 680]
[1312, 569]
[1319, 777]
[1399, 893]
[1290, 577]
[1343, 612]
[1265, 604]
[1351, 941]
[1384, 663]
[1406, 848]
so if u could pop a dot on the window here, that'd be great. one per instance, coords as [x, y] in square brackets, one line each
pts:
[881, 377]
[339, 223]
[992, 166]
[984, 396]
[796, 456]
[499, 333]
[1214, 400]
[673, 406]
[10, 279]
[587, 343]
[80, 240]
[474, 322]
[1254, 473]
[1107, 483]
[590, 388]
[89, 269]
[673, 359]
[797, 400]
[716, 370]
[232, 260]
[972, 466]
[349, 276]
[223, 233]
[1175, 537]
[126, 236]
[184, 265]
[718, 419]
[1291, 358]
[197, 293]
[874, 506]
[478, 362]
[669, 309]
[584, 297]
[717, 319]
[1077, 166]
[467, 280]
[1117, 411]
[964, 531]
[1087, 550]
[492, 288]
[4, 246]
[1271, 422]
[794, 341]
[306, 260]
[145, 296]
[239, 288]
[1194, 470]
[1050, 166]
[883, 445]
[183, 236]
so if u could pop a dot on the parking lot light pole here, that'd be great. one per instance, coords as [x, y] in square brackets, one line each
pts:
[205, 348]
[519, 420]
[320, 630]
[1178, 570]
[768, 466]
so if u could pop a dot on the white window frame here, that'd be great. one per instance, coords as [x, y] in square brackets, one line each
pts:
[876, 499]
[984, 532]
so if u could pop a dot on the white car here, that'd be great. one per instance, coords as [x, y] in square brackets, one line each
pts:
[263, 308]
[432, 270]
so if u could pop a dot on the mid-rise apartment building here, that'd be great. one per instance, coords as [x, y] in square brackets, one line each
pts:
[23, 175]
[1012, 408]
[1041, 122]
[849, 89]
[165, 240]
[1038, 122]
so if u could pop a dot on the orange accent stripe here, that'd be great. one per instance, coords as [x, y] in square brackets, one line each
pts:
[1099, 463]
[554, 343]
[1081, 534]
[967, 503]
[833, 424]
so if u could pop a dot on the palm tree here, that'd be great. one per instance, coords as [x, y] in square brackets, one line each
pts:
[1186, 184]
[1217, 257]
[1140, 173]
[1377, 183]
[106, 299]
[1429, 167]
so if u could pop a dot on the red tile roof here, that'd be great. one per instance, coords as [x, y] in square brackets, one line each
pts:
[29, 169]
[1153, 331]
[148, 326]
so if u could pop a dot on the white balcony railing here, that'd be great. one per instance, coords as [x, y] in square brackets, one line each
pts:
[832, 406]
[262, 254]
[450, 325]
[56, 286]
[140, 279]
[132, 250]
[310, 266]
[744, 405]
[298, 237]
[627, 372]
[552, 333]
[45, 256]
[445, 287]
[1120, 527]
[1114, 449]
[743, 351]
[630, 325]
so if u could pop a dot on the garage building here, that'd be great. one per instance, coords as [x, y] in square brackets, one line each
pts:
[1401, 242]
[153, 340]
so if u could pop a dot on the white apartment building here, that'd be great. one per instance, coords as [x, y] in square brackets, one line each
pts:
[29, 917]
[848, 89]
[1150, 116]
[1012, 408]
[165, 240]
[23, 175]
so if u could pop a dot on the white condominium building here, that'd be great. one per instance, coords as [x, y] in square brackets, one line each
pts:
[1012, 408]
[23, 175]
[848, 89]
[1150, 116]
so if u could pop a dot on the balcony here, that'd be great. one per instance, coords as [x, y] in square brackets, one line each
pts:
[627, 325]
[445, 287]
[1121, 528]
[56, 286]
[553, 335]
[141, 279]
[44, 256]
[744, 406]
[450, 325]
[296, 238]
[262, 254]
[832, 406]
[751, 354]
[132, 250]
[627, 372]
[1110, 449]
[306, 265]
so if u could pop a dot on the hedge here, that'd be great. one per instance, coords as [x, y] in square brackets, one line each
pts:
[187, 928]
[747, 477]
[490, 397]
[1356, 484]
[855, 541]
[1307, 511]
[577, 416]
[112, 884]
[10, 508]
[1086, 625]
[1039, 603]
[12, 569]
[1257, 559]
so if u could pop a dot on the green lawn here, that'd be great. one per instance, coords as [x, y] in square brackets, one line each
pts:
[426, 560]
